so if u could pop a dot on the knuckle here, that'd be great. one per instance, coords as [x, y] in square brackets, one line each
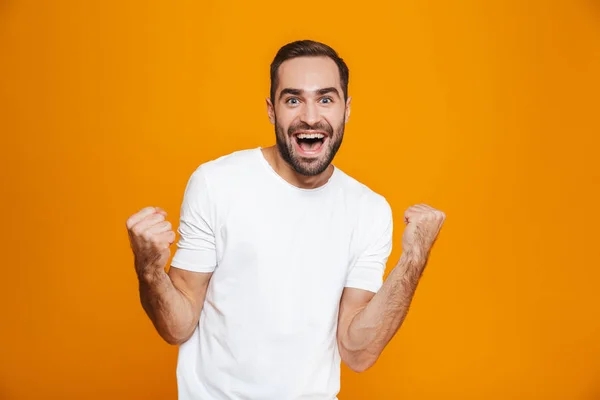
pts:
[170, 237]
[147, 236]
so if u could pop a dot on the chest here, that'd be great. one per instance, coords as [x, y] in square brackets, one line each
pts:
[287, 257]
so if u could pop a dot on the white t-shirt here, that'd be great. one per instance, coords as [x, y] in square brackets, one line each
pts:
[281, 257]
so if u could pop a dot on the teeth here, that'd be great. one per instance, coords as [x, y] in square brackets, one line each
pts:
[311, 136]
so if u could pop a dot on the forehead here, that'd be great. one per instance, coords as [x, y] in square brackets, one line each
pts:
[309, 73]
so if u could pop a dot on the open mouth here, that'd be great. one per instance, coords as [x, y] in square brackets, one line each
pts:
[310, 143]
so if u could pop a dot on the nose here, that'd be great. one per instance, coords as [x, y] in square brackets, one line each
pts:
[310, 114]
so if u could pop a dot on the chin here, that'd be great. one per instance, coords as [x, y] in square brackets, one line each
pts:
[308, 169]
[311, 165]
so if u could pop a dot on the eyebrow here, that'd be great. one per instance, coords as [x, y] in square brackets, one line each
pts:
[298, 92]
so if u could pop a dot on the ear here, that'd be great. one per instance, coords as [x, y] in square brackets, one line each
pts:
[270, 110]
[348, 108]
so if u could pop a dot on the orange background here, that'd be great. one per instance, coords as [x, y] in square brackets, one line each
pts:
[486, 110]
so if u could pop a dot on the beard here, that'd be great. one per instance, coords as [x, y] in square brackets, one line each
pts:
[309, 166]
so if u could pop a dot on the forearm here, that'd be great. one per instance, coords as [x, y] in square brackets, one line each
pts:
[171, 312]
[374, 326]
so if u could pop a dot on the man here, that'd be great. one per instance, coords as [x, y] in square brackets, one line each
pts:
[278, 273]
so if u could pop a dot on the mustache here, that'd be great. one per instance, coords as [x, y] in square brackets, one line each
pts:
[303, 126]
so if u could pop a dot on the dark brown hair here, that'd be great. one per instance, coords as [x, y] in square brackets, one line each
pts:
[307, 48]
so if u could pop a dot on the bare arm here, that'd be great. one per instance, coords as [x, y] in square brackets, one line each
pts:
[368, 321]
[174, 301]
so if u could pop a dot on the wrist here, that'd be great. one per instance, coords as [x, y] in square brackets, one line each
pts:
[412, 265]
[413, 259]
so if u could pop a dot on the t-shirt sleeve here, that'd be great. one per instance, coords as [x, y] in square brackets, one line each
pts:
[374, 233]
[196, 249]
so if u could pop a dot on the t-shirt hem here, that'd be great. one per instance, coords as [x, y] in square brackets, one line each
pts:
[191, 267]
[364, 286]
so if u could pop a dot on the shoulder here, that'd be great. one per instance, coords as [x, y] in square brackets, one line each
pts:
[372, 216]
[220, 180]
[233, 163]
[366, 200]
[227, 170]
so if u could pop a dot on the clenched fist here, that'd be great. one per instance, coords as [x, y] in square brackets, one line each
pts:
[150, 236]
[423, 223]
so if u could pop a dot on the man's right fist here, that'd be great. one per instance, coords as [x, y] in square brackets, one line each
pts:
[150, 236]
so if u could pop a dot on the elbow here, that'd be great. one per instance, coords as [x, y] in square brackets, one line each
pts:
[359, 367]
[176, 338]
[360, 361]
[173, 340]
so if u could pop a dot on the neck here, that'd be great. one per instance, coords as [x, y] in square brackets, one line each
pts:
[286, 171]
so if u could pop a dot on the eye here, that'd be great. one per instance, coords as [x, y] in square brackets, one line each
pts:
[329, 100]
[293, 101]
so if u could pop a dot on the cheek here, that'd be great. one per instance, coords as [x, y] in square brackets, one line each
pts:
[284, 119]
[336, 119]
[282, 128]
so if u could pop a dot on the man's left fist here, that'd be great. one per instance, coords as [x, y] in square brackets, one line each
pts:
[423, 223]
